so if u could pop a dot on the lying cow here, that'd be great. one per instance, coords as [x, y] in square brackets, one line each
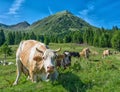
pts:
[94, 53]
[1, 62]
[85, 52]
[6, 63]
[106, 53]
[36, 61]
[75, 54]
[63, 60]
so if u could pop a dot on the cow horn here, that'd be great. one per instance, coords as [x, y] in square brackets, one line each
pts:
[57, 50]
[39, 50]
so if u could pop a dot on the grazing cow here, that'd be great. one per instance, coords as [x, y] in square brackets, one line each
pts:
[63, 60]
[85, 52]
[36, 61]
[106, 53]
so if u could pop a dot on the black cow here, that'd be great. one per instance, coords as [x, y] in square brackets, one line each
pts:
[74, 54]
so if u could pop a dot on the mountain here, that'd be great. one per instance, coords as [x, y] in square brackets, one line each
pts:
[21, 25]
[60, 22]
[3, 25]
[18, 26]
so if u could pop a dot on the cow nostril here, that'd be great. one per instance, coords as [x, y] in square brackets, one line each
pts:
[50, 67]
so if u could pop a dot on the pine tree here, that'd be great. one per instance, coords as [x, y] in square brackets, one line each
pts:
[116, 40]
[26, 36]
[2, 37]
[67, 39]
[6, 50]
[10, 38]
[32, 36]
[46, 40]
[18, 37]
[103, 40]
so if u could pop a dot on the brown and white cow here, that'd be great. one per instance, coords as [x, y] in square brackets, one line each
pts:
[36, 61]
[85, 52]
[106, 53]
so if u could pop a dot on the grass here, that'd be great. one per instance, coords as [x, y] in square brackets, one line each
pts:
[95, 74]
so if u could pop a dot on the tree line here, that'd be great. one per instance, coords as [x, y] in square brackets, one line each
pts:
[96, 37]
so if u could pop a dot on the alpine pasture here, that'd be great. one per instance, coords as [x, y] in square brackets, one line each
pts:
[95, 74]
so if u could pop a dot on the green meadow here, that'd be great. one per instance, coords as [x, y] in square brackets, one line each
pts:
[95, 74]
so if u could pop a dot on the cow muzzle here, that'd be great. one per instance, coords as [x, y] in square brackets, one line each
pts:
[50, 68]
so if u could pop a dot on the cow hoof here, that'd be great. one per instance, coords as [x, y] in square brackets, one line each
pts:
[34, 81]
[28, 78]
[47, 80]
[14, 83]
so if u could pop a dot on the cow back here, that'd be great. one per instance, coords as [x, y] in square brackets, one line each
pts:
[28, 51]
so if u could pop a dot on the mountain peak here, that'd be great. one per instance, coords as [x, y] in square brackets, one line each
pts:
[61, 22]
[64, 12]
[20, 25]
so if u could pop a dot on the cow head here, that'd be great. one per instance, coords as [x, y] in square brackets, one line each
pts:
[67, 59]
[88, 50]
[48, 58]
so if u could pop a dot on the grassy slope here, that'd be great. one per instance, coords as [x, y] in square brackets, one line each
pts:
[93, 75]
[61, 22]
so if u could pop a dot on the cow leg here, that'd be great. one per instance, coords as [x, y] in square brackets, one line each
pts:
[33, 76]
[19, 67]
[54, 76]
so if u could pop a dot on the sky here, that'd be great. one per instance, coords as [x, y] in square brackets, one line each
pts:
[99, 13]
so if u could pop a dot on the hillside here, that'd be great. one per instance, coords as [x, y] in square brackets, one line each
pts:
[18, 26]
[60, 22]
[21, 25]
[3, 25]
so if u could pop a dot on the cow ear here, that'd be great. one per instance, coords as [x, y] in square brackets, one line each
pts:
[37, 58]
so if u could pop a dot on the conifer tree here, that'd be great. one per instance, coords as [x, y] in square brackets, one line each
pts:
[10, 38]
[6, 50]
[116, 41]
[2, 37]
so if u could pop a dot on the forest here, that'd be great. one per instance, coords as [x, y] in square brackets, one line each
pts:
[99, 37]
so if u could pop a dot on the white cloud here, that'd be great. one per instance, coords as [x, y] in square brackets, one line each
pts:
[87, 10]
[15, 6]
[85, 13]
[50, 11]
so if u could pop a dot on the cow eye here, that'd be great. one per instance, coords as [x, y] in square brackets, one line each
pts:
[44, 57]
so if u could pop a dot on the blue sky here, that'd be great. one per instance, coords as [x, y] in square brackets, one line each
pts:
[100, 13]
